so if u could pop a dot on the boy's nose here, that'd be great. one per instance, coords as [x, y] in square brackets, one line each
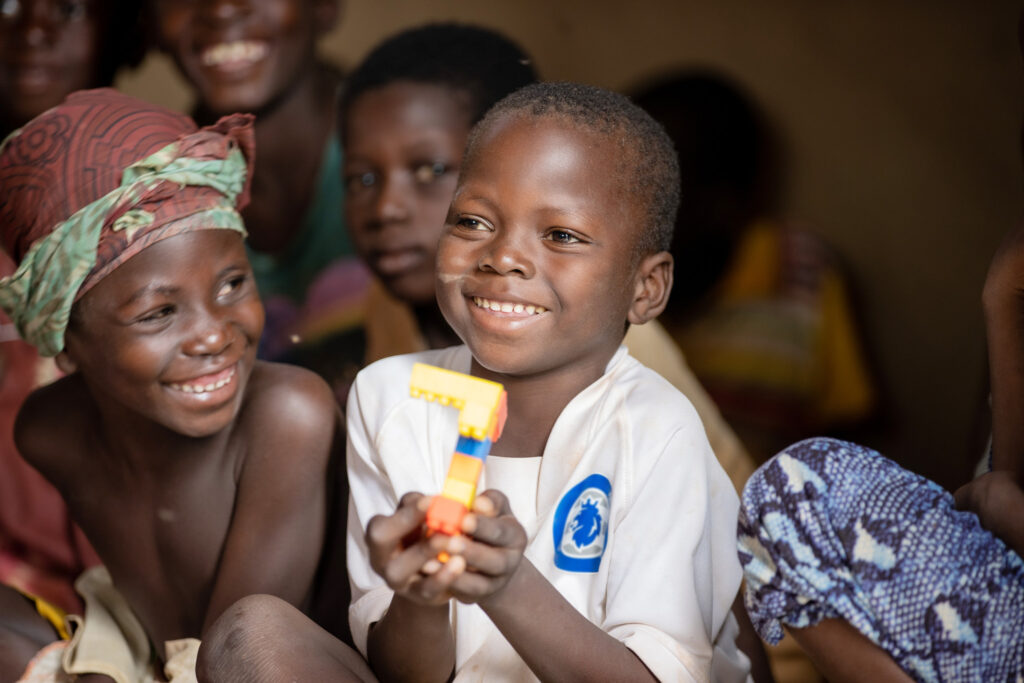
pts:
[505, 255]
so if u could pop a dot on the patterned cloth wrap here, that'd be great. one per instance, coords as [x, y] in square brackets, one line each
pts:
[830, 529]
[92, 182]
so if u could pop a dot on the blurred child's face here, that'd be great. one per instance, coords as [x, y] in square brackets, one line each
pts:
[171, 335]
[241, 55]
[48, 49]
[535, 268]
[403, 147]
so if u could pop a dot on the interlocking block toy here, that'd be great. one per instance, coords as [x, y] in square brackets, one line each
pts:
[483, 407]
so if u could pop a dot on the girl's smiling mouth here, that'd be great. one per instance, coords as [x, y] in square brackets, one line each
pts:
[206, 383]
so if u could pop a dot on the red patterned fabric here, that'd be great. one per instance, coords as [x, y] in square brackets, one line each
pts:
[75, 153]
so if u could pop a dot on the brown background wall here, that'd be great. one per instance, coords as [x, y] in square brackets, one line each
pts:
[902, 118]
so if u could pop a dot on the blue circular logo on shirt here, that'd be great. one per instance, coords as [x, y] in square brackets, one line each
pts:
[580, 528]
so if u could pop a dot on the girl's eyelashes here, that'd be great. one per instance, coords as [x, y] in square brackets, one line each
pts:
[157, 314]
[233, 284]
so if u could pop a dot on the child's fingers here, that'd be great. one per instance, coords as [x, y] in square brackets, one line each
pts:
[389, 530]
[405, 567]
[386, 534]
[490, 503]
[435, 588]
[486, 559]
[503, 532]
[414, 499]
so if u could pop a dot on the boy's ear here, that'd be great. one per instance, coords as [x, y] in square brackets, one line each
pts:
[653, 284]
[65, 364]
[326, 13]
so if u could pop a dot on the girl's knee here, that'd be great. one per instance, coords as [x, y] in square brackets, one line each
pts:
[236, 645]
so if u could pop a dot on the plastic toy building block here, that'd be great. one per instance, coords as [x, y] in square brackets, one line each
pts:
[483, 407]
[480, 402]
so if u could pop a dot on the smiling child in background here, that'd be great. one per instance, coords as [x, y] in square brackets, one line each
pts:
[259, 56]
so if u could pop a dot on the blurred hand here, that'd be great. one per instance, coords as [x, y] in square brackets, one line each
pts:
[998, 500]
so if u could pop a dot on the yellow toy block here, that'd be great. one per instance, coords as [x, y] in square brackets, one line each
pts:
[480, 402]
[460, 491]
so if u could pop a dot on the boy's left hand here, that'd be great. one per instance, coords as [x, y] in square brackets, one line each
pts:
[492, 548]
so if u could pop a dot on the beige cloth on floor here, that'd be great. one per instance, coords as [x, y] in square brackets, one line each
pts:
[110, 640]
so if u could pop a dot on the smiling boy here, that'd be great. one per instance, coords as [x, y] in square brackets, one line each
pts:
[198, 473]
[603, 549]
[555, 242]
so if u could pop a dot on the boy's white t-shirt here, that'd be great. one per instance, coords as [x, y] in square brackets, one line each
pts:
[633, 519]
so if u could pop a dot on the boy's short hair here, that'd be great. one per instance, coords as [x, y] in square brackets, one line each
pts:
[478, 62]
[649, 167]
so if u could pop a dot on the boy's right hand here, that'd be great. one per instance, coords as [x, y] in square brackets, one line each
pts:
[492, 547]
[406, 558]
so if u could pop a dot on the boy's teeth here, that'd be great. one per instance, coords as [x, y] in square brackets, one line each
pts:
[507, 307]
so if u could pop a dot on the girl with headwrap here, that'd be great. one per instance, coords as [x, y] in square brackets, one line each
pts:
[198, 473]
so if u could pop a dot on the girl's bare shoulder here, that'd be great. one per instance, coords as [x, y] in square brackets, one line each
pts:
[290, 401]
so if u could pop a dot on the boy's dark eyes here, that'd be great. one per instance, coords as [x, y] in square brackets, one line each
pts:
[563, 237]
[469, 223]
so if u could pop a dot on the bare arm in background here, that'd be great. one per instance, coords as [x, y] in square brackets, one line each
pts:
[998, 497]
